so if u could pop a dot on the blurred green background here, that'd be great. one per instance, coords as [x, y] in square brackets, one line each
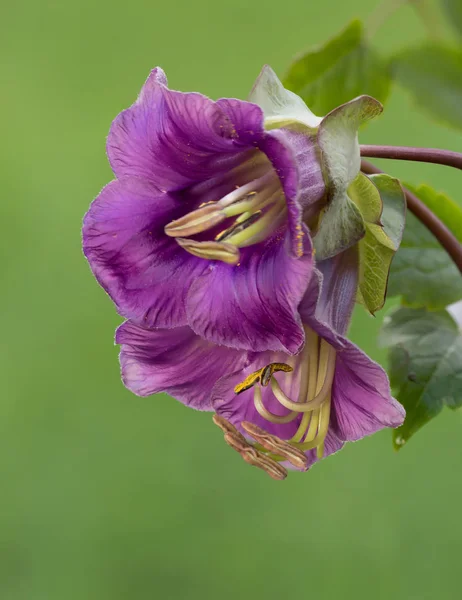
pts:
[106, 496]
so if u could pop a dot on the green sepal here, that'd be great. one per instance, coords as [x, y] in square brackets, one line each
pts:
[341, 224]
[382, 203]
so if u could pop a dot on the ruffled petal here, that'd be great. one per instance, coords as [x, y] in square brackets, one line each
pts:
[254, 304]
[175, 361]
[246, 119]
[174, 139]
[145, 272]
[362, 401]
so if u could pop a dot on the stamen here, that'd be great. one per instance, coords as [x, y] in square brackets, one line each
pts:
[197, 221]
[253, 201]
[276, 445]
[266, 414]
[262, 376]
[227, 427]
[323, 425]
[252, 456]
[311, 347]
[244, 217]
[259, 230]
[317, 434]
[211, 250]
[236, 228]
[253, 186]
[319, 398]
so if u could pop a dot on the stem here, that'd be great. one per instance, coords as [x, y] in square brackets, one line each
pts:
[429, 155]
[445, 237]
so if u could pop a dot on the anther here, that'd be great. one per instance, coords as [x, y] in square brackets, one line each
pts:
[253, 457]
[197, 221]
[211, 250]
[259, 230]
[277, 446]
[237, 227]
[227, 427]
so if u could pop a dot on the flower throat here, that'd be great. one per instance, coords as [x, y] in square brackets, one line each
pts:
[247, 215]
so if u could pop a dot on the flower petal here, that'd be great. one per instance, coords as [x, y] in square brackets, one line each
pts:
[246, 119]
[253, 305]
[339, 287]
[145, 272]
[362, 401]
[279, 105]
[175, 361]
[329, 299]
[294, 157]
[172, 138]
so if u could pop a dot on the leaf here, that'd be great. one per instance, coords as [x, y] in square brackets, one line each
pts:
[425, 365]
[422, 271]
[433, 75]
[345, 67]
[382, 204]
[342, 225]
[453, 9]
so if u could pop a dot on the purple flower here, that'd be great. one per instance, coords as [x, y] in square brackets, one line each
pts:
[298, 408]
[203, 228]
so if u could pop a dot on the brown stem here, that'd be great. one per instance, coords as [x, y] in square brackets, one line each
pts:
[428, 155]
[445, 237]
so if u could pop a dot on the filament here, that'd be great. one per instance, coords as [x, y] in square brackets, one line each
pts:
[266, 414]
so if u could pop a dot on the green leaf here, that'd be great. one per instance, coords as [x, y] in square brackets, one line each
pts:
[341, 224]
[382, 204]
[425, 365]
[433, 75]
[453, 9]
[422, 271]
[343, 68]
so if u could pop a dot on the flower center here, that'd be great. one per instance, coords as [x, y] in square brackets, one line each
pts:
[316, 374]
[247, 215]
